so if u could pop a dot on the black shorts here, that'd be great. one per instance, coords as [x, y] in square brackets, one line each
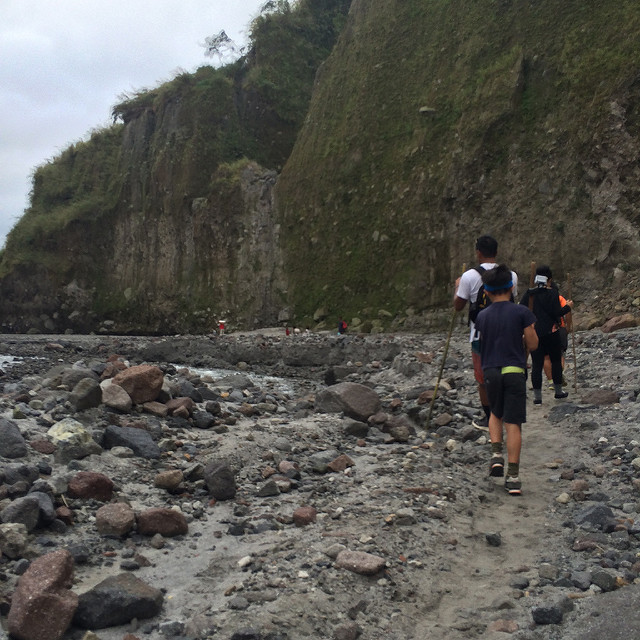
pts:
[564, 337]
[507, 394]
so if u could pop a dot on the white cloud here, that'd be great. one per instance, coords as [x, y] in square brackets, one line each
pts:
[64, 64]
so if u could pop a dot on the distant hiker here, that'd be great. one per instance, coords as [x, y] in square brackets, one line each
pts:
[342, 326]
[221, 327]
[544, 301]
[286, 331]
[467, 288]
[501, 328]
[564, 327]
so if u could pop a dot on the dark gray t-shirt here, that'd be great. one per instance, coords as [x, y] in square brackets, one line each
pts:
[501, 326]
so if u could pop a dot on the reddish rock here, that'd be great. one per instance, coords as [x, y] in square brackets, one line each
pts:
[142, 382]
[303, 516]
[116, 519]
[43, 604]
[580, 484]
[182, 407]
[45, 447]
[248, 410]
[113, 368]
[286, 466]
[65, 514]
[267, 472]
[156, 409]
[91, 485]
[341, 463]
[166, 522]
[169, 480]
[503, 626]
[360, 562]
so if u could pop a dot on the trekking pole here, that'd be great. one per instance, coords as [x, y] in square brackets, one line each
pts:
[532, 278]
[444, 359]
[573, 339]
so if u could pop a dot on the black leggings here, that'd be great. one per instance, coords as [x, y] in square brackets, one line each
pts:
[549, 345]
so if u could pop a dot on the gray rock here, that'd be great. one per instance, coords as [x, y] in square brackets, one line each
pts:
[547, 615]
[17, 471]
[25, 510]
[14, 539]
[220, 480]
[12, 444]
[138, 440]
[320, 460]
[86, 394]
[598, 515]
[203, 420]
[355, 400]
[614, 616]
[605, 580]
[581, 579]
[117, 600]
[269, 488]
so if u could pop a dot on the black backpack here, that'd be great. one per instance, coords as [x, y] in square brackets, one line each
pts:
[482, 300]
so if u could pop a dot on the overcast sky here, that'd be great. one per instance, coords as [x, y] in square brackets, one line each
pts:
[64, 64]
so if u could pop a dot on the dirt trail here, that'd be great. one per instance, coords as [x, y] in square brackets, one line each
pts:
[481, 575]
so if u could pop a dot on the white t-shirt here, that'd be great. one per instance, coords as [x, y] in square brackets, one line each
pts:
[469, 286]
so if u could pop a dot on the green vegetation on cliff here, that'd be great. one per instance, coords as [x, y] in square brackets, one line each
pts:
[434, 121]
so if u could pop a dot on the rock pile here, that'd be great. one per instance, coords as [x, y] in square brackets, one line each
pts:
[145, 499]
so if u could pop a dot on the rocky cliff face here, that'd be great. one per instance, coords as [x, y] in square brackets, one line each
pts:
[172, 269]
[429, 125]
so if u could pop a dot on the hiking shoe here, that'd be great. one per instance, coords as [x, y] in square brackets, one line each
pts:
[513, 486]
[551, 387]
[562, 394]
[537, 401]
[496, 466]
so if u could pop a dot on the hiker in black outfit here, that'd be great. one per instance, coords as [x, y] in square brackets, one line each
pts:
[544, 301]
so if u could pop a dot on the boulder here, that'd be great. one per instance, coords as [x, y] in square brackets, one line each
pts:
[143, 382]
[117, 519]
[117, 600]
[86, 394]
[115, 397]
[72, 440]
[138, 440]
[43, 604]
[167, 522]
[355, 400]
[12, 444]
[91, 485]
